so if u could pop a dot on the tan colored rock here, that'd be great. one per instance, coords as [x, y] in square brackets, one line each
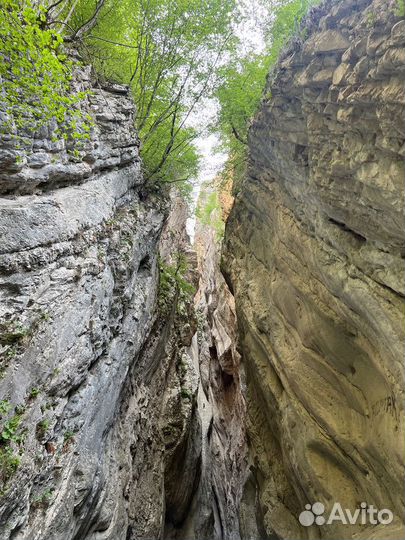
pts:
[314, 255]
[340, 74]
[205, 495]
[325, 42]
[398, 33]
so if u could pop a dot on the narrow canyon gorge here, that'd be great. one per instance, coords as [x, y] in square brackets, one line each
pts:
[154, 388]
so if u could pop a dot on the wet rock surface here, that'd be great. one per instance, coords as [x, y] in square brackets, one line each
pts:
[314, 256]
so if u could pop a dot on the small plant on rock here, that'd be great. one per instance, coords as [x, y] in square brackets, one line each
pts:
[12, 333]
[4, 407]
[41, 429]
[400, 10]
[173, 283]
[371, 19]
[68, 440]
[185, 394]
[9, 463]
[10, 437]
[34, 392]
[43, 500]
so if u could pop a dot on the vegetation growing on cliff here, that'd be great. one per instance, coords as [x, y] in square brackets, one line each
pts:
[174, 284]
[209, 211]
[244, 78]
[9, 459]
[168, 51]
[400, 11]
[171, 53]
[35, 72]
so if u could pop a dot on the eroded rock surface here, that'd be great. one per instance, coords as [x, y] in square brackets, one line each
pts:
[314, 254]
[78, 283]
[112, 424]
[221, 405]
[206, 469]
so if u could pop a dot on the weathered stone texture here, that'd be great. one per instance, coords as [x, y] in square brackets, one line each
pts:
[78, 285]
[103, 370]
[314, 253]
[220, 399]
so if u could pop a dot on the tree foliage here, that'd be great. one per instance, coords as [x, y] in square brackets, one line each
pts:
[35, 72]
[244, 78]
[171, 53]
[209, 210]
[239, 96]
[168, 51]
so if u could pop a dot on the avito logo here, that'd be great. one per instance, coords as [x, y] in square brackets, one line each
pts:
[366, 514]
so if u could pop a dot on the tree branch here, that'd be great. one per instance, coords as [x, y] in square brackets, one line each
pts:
[237, 136]
[113, 42]
[88, 25]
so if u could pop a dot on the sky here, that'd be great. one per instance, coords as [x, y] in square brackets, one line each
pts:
[251, 33]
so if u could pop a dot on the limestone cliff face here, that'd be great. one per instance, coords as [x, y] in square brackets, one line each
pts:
[78, 282]
[205, 476]
[314, 254]
[121, 412]
[220, 397]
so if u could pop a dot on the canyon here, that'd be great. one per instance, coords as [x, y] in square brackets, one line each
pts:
[151, 388]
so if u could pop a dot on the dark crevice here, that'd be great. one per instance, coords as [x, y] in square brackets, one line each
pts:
[301, 155]
[345, 228]
[145, 266]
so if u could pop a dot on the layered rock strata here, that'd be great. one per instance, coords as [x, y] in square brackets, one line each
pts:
[112, 424]
[314, 255]
[78, 283]
[214, 513]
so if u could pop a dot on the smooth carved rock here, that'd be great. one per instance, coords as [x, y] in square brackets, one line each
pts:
[314, 255]
[398, 33]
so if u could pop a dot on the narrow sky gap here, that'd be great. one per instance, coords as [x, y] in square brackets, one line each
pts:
[251, 33]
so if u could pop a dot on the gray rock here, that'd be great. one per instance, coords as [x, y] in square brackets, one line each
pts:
[77, 306]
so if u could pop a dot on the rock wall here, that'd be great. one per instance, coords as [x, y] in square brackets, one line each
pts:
[119, 419]
[206, 455]
[220, 398]
[78, 284]
[314, 255]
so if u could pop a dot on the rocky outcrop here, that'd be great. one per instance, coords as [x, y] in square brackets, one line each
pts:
[206, 469]
[78, 282]
[221, 404]
[314, 255]
[121, 416]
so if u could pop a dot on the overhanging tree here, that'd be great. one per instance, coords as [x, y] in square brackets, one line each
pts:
[169, 52]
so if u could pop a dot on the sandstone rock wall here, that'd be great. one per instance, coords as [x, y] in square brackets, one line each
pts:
[314, 255]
